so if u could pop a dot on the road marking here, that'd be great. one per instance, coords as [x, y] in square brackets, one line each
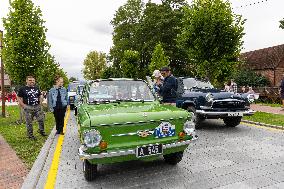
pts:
[262, 127]
[52, 173]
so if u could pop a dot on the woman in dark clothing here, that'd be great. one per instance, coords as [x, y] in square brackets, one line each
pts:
[282, 92]
[57, 102]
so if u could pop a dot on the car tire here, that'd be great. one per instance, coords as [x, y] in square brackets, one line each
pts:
[90, 170]
[197, 119]
[232, 121]
[173, 158]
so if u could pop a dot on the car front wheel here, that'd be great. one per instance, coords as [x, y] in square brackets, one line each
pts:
[232, 121]
[90, 170]
[173, 158]
[197, 119]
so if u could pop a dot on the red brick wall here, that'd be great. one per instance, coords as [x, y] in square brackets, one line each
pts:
[279, 75]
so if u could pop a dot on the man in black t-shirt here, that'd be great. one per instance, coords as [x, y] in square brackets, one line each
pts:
[30, 98]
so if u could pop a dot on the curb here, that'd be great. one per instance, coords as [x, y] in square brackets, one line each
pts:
[33, 177]
[264, 124]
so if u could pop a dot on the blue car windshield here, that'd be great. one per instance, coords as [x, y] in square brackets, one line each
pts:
[120, 90]
[190, 83]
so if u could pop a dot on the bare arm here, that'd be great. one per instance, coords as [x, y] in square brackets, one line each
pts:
[21, 103]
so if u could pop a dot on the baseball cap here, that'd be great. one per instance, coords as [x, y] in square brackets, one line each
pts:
[166, 69]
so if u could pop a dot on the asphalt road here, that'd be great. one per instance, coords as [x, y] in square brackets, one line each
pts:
[240, 157]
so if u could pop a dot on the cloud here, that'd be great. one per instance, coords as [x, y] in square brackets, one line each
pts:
[100, 27]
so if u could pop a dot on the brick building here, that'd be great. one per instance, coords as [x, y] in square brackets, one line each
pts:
[268, 62]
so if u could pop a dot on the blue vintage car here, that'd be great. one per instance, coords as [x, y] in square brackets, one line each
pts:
[206, 102]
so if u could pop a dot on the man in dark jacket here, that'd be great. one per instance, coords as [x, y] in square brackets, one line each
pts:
[168, 90]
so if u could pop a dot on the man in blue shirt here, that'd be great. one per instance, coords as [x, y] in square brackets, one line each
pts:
[168, 90]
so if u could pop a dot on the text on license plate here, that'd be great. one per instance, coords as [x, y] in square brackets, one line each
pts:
[149, 150]
[235, 114]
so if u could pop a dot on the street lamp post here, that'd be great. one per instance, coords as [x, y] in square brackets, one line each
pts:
[2, 75]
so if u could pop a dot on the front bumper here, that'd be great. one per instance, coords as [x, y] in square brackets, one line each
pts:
[84, 155]
[224, 114]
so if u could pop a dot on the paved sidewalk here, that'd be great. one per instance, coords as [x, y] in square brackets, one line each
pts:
[12, 169]
[268, 109]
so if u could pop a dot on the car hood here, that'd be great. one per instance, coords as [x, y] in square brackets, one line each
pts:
[217, 94]
[132, 112]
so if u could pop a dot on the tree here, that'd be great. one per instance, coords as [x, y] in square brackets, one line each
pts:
[46, 75]
[161, 23]
[246, 77]
[94, 65]
[25, 46]
[212, 36]
[282, 24]
[159, 59]
[125, 26]
[130, 64]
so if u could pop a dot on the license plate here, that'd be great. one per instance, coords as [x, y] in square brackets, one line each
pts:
[149, 150]
[235, 114]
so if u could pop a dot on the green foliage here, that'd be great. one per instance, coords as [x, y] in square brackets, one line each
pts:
[212, 37]
[245, 77]
[94, 65]
[140, 28]
[126, 23]
[25, 46]
[46, 75]
[159, 59]
[129, 64]
[282, 24]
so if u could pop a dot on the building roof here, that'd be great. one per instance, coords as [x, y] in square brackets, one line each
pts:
[267, 58]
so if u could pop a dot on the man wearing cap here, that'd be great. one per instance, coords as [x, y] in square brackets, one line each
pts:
[168, 89]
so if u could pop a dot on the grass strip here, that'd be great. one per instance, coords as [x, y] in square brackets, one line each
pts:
[268, 118]
[16, 135]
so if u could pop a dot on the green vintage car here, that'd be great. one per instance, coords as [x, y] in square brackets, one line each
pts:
[121, 120]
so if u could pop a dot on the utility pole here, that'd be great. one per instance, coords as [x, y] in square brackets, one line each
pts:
[2, 76]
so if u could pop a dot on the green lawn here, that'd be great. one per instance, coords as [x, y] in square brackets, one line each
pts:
[269, 104]
[262, 117]
[16, 135]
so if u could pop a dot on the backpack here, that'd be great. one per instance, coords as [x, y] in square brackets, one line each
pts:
[179, 88]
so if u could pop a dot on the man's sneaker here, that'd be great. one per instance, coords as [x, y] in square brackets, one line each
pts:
[61, 133]
[57, 132]
[42, 133]
[32, 137]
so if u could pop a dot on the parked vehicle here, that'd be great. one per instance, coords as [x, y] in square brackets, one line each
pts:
[72, 92]
[121, 120]
[207, 102]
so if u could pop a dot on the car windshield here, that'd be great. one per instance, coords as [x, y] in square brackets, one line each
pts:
[120, 90]
[72, 87]
[190, 83]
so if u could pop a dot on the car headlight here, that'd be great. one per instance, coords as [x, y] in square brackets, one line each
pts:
[92, 138]
[189, 127]
[209, 97]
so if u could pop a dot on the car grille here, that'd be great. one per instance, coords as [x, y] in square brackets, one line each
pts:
[231, 104]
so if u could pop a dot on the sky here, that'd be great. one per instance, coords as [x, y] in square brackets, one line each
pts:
[77, 27]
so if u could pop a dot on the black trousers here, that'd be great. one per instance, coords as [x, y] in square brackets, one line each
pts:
[59, 115]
